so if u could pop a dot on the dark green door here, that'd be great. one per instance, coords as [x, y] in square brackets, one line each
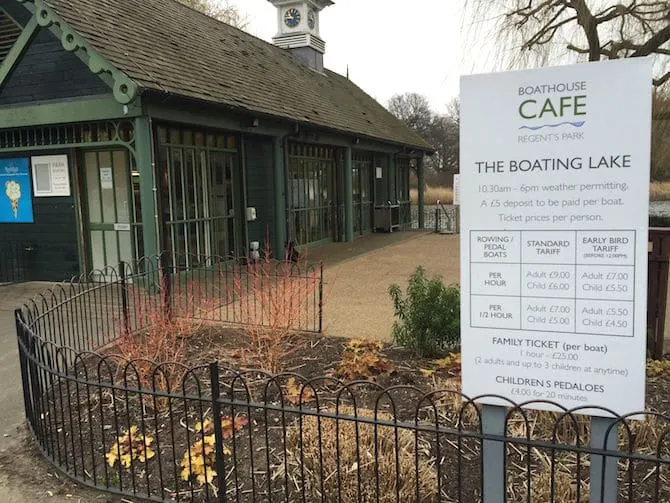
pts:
[109, 208]
[362, 193]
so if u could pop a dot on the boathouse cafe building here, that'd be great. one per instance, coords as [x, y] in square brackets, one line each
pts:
[133, 126]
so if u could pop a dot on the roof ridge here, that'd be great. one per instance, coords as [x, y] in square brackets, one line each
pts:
[218, 21]
[169, 47]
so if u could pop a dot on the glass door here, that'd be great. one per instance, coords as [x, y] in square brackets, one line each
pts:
[202, 211]
[109, 208]
[223, 202]
[202, 205]
[362, 193]
[313, 210]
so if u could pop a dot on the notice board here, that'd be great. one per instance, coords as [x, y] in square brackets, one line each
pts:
[16, 202]
[554, 221]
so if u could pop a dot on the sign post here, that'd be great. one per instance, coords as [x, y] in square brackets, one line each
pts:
[554, 221]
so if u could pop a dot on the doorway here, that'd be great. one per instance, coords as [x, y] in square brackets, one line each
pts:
[312, 178]
[362, 193]
[109, 208]
[200, 195]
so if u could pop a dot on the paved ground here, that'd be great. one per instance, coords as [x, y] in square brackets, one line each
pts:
[357, 303]
[24, 477]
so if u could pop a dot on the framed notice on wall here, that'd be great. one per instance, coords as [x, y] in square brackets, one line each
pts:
[51, 177]
[16, 204]
[554, 214]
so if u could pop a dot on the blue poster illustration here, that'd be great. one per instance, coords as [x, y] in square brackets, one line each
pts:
[16, 201]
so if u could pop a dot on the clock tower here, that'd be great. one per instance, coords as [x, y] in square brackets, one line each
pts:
[298, 22]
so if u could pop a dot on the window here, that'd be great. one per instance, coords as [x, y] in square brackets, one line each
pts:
[311, 174]
[9, 33]
[199, 198]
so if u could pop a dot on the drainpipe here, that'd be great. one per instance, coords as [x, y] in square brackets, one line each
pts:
[420, 182]
[154, 188]
[281, 194]
[288, 196]
[144, 158]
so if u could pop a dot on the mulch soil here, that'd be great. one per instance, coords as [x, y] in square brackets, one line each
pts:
[267, 443]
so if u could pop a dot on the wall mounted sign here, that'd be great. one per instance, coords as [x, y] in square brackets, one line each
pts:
[379, 173]
[51, 177]
[555, 184]
[16, 204]
[106, 178]
[121, 226]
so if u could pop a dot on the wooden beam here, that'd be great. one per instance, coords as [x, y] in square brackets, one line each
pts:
[18, 50]
[348, 197]
[214, 118]
[81, 110]
[421, 187]
[145, 164]
[279, 180]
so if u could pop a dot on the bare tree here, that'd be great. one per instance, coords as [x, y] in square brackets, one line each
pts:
[444, 136]
[222, 10]
[660, 146]
[414, 110]
[593, 29]
[440, 131]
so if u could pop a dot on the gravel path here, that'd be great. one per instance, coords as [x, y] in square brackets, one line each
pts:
[357, 303]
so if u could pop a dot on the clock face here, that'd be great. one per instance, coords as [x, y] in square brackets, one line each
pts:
[292, 18]
[311, 20]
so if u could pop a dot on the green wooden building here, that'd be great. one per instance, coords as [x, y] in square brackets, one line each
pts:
[128, 127]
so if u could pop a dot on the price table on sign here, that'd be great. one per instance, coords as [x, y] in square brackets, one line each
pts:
[579, 282]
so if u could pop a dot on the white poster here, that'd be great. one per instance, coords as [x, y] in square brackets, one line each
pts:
[106, 178]
[51, 177]
[555, 183]
[457, 190]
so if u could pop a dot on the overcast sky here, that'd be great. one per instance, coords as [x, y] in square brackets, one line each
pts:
[391, 46]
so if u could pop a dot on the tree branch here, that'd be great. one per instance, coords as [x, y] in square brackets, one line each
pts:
[587, 21]
[653, 43]
[662, 80]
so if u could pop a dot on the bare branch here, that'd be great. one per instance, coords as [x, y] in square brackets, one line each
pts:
[588, 23]
[590, 29]
[653, 43]
[662, 80]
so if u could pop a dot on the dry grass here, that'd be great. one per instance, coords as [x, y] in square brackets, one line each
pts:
[649, 438]
[151, 355]
[658, 191]
[354, 462]
[272, 303]
[433, 194]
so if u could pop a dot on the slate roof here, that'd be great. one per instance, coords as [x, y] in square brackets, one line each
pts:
[167, 47]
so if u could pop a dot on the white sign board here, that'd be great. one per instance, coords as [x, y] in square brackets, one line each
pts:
[457, 190]
[106, 178]
[555, 177]
[51, 177]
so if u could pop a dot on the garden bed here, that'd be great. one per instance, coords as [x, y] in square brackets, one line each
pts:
[289, 439]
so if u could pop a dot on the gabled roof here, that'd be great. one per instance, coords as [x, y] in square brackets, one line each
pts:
[167, 47]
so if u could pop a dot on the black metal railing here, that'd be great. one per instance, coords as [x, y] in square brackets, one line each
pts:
[14, 262]
[436, 218]
[141, 429]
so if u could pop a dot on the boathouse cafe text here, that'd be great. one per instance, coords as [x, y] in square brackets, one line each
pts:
[548, 164]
